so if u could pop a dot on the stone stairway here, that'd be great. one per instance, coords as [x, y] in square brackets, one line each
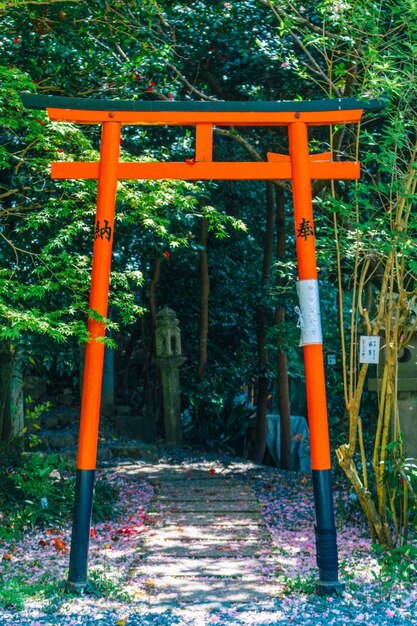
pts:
[208, 543]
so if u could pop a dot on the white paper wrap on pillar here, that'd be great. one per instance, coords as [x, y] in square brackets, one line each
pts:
[308, 294]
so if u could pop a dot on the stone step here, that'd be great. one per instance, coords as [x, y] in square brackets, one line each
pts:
[207, 593]
[207, 496]
[202, 550]
[173, 475]
[158, 565]
[207, 518]
[197, 482]
[197, 532]
[215, 507]
[188, 492]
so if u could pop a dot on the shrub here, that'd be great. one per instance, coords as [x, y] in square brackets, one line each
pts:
[40, 493]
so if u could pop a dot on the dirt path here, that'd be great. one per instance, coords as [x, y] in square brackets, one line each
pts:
[207, 542]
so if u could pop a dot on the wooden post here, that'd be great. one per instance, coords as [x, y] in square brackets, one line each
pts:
[311, 339]
[94, 355]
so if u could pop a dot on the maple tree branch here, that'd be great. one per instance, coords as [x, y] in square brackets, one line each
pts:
[8, 193]
[235, 136]
[278, 12]
[186, 82]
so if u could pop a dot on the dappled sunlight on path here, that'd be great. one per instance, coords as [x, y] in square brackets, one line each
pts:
[209, 543]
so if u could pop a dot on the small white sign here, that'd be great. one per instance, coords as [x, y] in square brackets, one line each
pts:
[369, 349]
[331, 359]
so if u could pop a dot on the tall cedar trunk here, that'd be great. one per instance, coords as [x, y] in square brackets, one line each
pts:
[261, 329]
[11, 390]
[152, 285]
[152, 388]
[204, 301]
[107, 387]
[283, 398]
[282, 363]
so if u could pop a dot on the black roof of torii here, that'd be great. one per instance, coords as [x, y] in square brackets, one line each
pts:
[39, 101]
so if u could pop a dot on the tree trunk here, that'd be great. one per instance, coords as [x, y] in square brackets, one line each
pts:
[261, 329]
[261, 430]
[12, 400]
[152, 286]
[204, 301]
[107, 386]
[283, 398]
[364, 496]
[152, 374]
[282, 362]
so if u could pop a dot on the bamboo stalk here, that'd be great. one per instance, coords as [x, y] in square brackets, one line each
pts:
[363, 456]
[341, 303]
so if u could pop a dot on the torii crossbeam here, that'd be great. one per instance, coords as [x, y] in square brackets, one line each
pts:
[300, 167]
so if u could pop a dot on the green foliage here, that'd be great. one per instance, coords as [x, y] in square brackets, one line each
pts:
[30, 278]
[105, 500]
[396, 565]
[40, 493]
[16, 591]
[217, 421]
[298, 584]
[32, 419]
[401, 483]
[11, 448]
[61, 47]
[102, 583]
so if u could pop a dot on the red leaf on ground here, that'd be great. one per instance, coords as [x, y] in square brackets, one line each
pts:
[60, 545]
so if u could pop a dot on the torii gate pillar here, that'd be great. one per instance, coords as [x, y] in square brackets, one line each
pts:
[311, 340]
[300, 167]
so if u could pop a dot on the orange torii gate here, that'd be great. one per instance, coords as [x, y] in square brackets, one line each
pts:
[300, 167]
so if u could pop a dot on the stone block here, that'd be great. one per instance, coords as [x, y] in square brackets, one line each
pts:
[35, 387]
[61, 441]
[137, 427]
[103, 454]
[68, 455]
[138, 451]
[68, 417]
[123, 409]
[51, 421]
[68, 399]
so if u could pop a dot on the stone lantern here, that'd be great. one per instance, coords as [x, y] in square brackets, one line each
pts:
[169, 359]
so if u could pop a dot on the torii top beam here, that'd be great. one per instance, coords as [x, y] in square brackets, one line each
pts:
[94, 110]
[205, 115]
